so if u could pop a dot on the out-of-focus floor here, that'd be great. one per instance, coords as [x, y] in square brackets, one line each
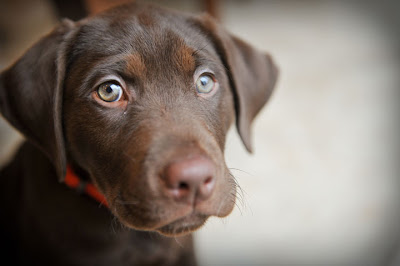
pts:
[323, 185]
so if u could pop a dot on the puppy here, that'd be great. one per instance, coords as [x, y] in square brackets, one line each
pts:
[131, 108]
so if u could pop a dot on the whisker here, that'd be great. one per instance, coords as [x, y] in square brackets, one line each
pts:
[131, 202]
[117, 226]
[113, 221]
[240, 193]
[222, 204]
[224, 221]
[240, 198]
[178, 242]
[195, 52]
[242, 171]
[238, 207]
[129, 156]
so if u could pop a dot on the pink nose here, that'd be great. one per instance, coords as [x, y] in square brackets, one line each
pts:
[190, 179]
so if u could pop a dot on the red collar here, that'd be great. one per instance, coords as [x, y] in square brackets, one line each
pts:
[74, 182]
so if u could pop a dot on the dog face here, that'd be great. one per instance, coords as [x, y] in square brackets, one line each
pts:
[140, 99]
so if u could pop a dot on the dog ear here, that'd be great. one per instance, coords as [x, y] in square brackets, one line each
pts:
[252, 74]
[31, 94]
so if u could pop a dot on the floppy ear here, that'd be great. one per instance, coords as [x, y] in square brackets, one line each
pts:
[252, 75]
[31, 94]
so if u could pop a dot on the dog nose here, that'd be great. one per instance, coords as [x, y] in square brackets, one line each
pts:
[190, 179]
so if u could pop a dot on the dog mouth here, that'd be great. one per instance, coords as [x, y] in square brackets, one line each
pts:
[184, 225]
[183, 220]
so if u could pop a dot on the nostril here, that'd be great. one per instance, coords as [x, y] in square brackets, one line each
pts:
[183, 186]
[206, 188]
[208, 180]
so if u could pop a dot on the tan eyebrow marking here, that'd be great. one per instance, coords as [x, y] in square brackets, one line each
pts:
[135, 64]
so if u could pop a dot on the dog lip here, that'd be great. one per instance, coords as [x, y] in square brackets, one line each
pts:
[133, 210]
[183, 225]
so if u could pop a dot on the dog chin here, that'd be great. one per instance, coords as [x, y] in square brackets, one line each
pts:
[184, 225]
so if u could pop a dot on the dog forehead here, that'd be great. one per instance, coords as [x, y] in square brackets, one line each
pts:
[150, 37]
[175, 56]
[141, 47]
[142, 29]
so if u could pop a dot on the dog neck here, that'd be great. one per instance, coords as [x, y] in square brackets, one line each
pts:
[83, 187]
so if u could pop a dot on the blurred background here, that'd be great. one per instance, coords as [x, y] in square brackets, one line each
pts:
[323, 186]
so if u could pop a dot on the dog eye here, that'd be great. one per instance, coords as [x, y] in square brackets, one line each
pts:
[110, 91]
[205, 84]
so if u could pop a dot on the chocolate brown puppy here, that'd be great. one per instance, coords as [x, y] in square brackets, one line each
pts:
[136, 102]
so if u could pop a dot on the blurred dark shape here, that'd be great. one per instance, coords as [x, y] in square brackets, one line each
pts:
[212, 7]
[72, 9]
[78, 9]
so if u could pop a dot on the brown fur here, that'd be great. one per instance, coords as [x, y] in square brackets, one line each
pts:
[135, 65]
[125, 147]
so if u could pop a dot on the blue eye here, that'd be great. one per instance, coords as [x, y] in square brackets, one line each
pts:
[109, 91]
[205, 84]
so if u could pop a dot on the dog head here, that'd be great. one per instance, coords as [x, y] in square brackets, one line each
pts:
[139, 99]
